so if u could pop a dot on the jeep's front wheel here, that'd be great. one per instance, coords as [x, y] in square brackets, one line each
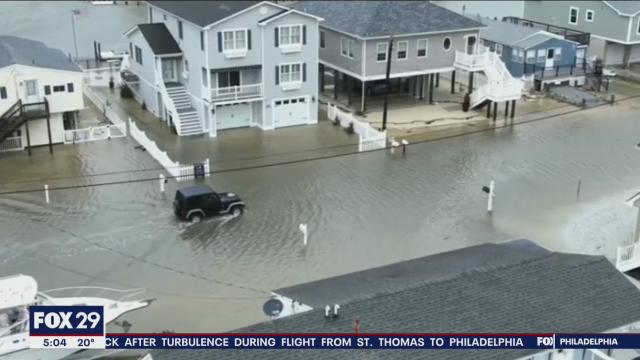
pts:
[236, 210]
[195, 218]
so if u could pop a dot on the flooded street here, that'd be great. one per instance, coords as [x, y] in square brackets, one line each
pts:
[363, 211]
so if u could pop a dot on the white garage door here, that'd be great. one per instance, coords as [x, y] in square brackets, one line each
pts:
[615, 54]
[292, 111]
[233, 116]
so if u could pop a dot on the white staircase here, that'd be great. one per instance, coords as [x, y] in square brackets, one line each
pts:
[500, 86]
[186, 116]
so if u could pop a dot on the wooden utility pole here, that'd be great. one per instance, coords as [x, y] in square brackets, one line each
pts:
[387, 85]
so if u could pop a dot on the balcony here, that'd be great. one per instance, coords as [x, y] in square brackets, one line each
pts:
[233, 93]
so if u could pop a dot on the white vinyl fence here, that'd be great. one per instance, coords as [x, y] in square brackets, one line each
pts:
[12, 144]
[628, 257]
[178, 171]
[368, 137]
[95, 133]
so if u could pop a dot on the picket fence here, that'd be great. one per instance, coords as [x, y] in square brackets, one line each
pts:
[179, 171]
[368, 137]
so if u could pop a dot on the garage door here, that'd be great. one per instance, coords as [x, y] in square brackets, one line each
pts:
[615, 54]
[233, 116]
[289, 112]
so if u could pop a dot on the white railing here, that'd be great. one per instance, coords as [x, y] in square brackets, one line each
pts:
[12, 144]
[628, 257]
[368, 137]
[510, 90]
[103, 105]
[167, 101]
[178, 171]
[106, 132]
[232, 93]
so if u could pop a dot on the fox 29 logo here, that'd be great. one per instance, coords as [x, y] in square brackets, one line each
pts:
[66, 320]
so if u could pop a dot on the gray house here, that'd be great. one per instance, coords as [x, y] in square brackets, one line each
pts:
[204, 66]
[354, 40]
[513, 287]
[614, 25]
[529, 50]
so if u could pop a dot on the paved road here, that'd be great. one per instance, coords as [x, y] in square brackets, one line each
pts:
[363, 211]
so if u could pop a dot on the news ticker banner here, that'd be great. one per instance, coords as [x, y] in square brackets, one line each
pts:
[82, 327]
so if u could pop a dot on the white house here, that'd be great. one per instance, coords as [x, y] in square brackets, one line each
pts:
[40, 90]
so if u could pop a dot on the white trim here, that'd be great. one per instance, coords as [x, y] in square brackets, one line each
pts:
[13, 66]
[571, 8]
[637, 27]
[406, 53]
[290, 11]
[586, 15]
[450, 44]
[629, 29]
[244, 11]
[477, 29]
[167, 55]
[234, 39]
[290, 65]
[386, 51]
[364, 56]
[426, 48]
[130, 30]
[290, 26]
[615, 40]
[342, 70]
[342, 32]
[410, 73]
[239, 101]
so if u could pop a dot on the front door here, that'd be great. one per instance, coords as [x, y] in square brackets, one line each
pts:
[471, 44]
[550, 54]
[31, 91]
[169, 71]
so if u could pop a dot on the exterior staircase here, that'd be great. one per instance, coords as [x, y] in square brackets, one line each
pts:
[500, 86]
[185, 116]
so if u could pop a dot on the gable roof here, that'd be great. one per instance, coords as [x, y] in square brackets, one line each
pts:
[383, 18]
[627, 8]
[510, 34]
[20, 51]
[536, 292]
[203, 13]
[159, 39]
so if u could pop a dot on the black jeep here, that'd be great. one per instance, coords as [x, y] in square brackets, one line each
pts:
[195, 202]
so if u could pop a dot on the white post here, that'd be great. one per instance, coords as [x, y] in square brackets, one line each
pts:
[161, 183]
[303, 229]
[394, 145]
[491, 196]
[46, 193]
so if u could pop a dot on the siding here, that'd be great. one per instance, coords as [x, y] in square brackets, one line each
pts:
[606, 22]
[330, 54]
[146, 72]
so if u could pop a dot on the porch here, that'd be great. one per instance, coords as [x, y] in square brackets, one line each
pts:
[236, 84]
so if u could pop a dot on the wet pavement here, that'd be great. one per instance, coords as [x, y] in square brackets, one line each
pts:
[363, 211]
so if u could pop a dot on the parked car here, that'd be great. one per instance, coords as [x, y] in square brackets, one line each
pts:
[193, 203]
[377, 87]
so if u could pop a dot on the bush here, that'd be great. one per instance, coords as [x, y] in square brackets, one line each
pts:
[125, 92]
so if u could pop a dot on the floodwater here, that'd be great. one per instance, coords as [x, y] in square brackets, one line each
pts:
[362, 211]
[51, 22]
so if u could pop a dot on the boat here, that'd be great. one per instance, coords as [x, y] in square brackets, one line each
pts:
[18, 292]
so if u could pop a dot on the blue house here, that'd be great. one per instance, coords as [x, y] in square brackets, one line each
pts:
[526, 50]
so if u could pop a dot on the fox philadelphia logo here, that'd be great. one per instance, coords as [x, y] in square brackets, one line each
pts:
[65, 320]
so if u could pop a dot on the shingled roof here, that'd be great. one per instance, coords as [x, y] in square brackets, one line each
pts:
[203, 13]
[20, 51]
[159, 39]
[534, 293]
[383, 18]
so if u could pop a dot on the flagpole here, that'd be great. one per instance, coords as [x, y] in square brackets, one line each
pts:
[73, 25]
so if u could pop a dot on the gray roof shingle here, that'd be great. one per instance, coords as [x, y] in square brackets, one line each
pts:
[203, 13]
[541, 293]
[159, 39]
[625, 7]
[507, 33]
[20, 51]
[383, 18]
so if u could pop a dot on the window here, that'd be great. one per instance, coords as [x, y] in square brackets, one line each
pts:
[403, 46]
[290, 35]
[558, 54]
[130, 49]
[31, 88]
[422, 47]
[446, 43]
[531, 56]
[138, 55]
[47, 90]
[381, 51]
[588, 15]
[56, 88]
[3, 92]
[234, 40]
[70, 87]
[517, 55]
[322, 39]
[186, 65]
[573, 15]
[499, 49]
[164, 17]
[290, 73]
[541, 55]
[202, 40]
[228, 79]
[346, 47]
[180, 29]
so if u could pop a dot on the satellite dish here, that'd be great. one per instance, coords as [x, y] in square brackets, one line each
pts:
[273, 307]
